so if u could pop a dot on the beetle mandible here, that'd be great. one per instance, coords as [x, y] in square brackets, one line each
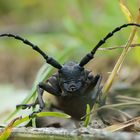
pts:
[72, 85]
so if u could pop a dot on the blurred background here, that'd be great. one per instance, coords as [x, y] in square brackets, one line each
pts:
[75, 25]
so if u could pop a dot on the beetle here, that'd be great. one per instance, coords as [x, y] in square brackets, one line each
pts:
[72, 85]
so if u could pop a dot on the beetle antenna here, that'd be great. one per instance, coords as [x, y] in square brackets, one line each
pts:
[90, 55]
[48, 59]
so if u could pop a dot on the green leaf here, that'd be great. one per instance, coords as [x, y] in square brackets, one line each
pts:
[86, 122]
[43, 114]
[53, 114]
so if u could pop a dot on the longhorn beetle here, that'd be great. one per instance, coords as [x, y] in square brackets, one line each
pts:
[72, 85]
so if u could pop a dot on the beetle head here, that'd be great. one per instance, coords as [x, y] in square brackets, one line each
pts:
[71, 77]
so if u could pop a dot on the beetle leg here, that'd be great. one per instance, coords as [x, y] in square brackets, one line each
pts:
[41, 87]
[47, 87]
[97, 89]
[96, 80]
[39, 97]
[24, 106]
[54, 83]
[50, 86]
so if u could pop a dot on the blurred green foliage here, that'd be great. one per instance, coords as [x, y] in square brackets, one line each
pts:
[54, 24]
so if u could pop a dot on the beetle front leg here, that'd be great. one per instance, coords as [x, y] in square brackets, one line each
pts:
[40, 89]
[97, 92]
[37, 101]
[25, 106]
[47, 87]
[39, 98]
[97, 88]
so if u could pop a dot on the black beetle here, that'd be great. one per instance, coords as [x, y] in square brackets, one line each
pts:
[73, 86]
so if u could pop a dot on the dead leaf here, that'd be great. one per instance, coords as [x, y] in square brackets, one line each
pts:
[133, 124]
[7, 131]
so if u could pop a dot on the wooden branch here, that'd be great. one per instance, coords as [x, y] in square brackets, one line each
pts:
[65, 134]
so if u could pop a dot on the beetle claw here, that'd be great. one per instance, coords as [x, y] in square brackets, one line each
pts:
[24, 106]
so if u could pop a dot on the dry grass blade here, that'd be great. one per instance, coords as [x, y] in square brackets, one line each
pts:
[126, 11]
[132, 124]
[122, 98]
[121, 105]
[118, 47]
[117, 127]
[120, 61]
